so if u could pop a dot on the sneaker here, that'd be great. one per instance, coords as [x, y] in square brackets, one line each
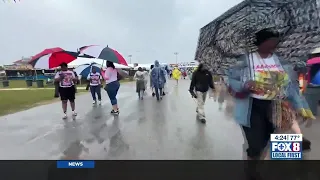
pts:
[163, 94]
[203, 121]
[65, 116]
[100, 103]
[114, 112]
[74, 113]
[94, 102]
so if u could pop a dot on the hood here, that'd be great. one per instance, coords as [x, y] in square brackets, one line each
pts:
[156, 63]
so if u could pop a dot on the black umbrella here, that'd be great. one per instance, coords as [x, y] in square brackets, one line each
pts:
[230, 35]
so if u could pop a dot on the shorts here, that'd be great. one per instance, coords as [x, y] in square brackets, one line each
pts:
[258, 134]
[67, 93]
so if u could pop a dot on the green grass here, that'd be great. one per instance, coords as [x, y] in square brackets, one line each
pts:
[17, 100]
[12, 101]
[22, 84]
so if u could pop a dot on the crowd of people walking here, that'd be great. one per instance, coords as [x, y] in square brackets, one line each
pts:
[263, 105]
[66, 80]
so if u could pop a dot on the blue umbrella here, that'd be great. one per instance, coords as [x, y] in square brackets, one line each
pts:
[85, 69]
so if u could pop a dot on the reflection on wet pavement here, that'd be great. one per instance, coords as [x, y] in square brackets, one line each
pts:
[144, 129]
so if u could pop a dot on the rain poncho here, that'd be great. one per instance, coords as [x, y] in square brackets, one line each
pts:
[158, 75]
[176, 73]
[139, 76]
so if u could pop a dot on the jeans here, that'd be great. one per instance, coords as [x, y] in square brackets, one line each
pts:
[112, 91]
[201, 99]
[140, 94]
[258, 135]
[96, 90]
[158, 92]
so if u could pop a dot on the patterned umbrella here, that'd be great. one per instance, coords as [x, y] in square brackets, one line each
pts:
[51, 58]
[102, 52]
[230, 35]
[85, 69]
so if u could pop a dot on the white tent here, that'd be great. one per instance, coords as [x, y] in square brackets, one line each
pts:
[79, 61]
[147, 66]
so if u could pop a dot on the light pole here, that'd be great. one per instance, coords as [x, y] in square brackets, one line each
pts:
[176, 54]
[130, 56]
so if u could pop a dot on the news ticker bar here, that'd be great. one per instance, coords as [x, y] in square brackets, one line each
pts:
[75, 164]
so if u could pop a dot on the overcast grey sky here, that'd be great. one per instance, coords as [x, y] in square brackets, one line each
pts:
[147, 29]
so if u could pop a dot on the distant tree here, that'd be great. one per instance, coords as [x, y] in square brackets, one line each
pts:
[1, 68]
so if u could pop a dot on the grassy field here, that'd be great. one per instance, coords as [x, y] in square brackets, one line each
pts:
[22, 84]
[17, 100]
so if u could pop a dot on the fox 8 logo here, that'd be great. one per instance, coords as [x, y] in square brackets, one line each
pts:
[286, 147]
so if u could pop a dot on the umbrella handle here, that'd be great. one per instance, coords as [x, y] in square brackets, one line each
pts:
[102, 64]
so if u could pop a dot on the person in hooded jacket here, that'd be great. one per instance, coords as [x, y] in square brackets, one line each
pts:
[176, 74]
[139, 76]
[158, 79]
[200, 84]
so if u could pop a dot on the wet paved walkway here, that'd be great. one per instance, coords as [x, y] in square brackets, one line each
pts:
[144, 130]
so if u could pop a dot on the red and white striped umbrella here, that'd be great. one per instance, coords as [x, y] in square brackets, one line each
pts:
[51, 58]
[102, 52]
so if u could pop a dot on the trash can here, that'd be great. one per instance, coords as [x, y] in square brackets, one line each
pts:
[29, 82]
[40, 84]
[5, 83]
[312, 95]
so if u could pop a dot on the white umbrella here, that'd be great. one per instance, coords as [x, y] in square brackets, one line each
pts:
[80, 61]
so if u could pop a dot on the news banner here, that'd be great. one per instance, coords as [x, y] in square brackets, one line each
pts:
[286, 147]
[75, 164]
[282, 147]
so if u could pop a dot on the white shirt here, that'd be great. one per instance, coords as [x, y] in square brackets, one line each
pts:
[67, 80]
[139, 75]
[94, 78]
[110, 75]
[261, 69]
